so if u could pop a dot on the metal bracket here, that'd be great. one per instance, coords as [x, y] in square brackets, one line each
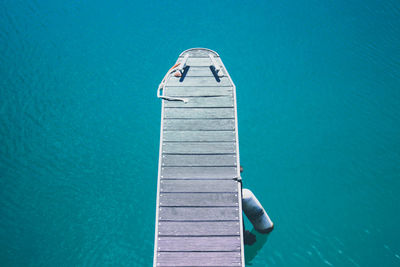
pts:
[238, 179]
[217, 67]
[183, 64]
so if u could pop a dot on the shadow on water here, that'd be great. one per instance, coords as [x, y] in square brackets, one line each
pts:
[252, 250]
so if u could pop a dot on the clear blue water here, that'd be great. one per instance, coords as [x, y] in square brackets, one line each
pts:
[318, 86]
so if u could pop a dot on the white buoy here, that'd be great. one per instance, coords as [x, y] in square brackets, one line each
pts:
[256, 213]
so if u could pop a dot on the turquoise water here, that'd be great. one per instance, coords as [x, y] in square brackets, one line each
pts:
[318, 87]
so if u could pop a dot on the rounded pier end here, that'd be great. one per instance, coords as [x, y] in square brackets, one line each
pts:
[199, 52]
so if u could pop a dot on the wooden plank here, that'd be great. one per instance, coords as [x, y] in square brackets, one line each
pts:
[199, 259]
[199, 72]
[198, 172]
[202, 102]
[199, 113]
[200, 244]
[198, 228]
[180, 186]
[201, 61]
[194, 91]
[198, 199]
[198, 160]
[199, 81]
[199, 148]
[198, 214]
[199, 124]
[199, 136]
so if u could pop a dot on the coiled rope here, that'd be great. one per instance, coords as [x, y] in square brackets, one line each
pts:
[162, 86]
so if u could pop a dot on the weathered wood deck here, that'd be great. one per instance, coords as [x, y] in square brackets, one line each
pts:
[199, 213]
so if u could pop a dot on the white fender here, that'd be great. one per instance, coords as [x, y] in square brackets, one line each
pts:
[256, 213]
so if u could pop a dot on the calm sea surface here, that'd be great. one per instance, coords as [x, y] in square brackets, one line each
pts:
[318, 87]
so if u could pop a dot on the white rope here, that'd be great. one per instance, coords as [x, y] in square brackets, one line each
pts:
[162, 87]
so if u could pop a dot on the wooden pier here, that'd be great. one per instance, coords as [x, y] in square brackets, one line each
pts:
[199, 211]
